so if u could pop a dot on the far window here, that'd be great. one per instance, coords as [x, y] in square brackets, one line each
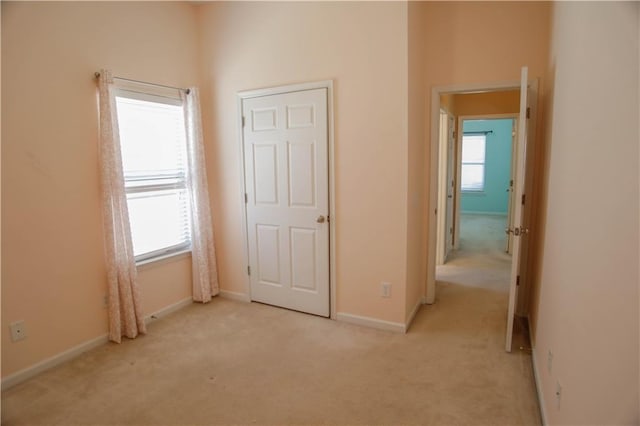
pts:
[154, 160]
[473, 162]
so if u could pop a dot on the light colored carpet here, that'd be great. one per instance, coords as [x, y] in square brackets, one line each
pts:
[236, 363]
[481, 260]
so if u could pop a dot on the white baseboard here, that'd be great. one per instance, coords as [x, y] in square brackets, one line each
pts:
[241, 297]
[372, 322]
[412, 315]
[536, 377]
[27, 373]
[484, 213]
[168, 309]
[74, 352]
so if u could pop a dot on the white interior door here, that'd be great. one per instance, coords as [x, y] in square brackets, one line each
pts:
[285, 139]
[518, 230]
[441, 217]
[450, 184]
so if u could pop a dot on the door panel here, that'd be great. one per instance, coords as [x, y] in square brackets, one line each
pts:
[268, 252]
[285, 141]
[265, 178]
[302, 174]
[303, 268]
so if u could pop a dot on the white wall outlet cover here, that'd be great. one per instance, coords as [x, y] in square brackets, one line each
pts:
[385, 289]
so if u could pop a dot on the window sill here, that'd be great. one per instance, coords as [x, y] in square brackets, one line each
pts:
[161, 260]
[478, 193]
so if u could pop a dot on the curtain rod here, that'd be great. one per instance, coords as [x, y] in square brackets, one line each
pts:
[187, 91]
[485, 132]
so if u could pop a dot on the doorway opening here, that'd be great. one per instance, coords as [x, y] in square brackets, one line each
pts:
[476, 248]
[471, 207]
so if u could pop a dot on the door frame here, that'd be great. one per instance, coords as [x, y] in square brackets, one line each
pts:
[279, 90]
[436, 92]
[458, 160]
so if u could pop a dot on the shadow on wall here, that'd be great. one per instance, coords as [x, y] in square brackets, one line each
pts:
[539, 222]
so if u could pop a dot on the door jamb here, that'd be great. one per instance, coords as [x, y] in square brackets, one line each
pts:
[279, 90]
[436, 92]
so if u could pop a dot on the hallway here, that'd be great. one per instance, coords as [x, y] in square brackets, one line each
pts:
[481, 260]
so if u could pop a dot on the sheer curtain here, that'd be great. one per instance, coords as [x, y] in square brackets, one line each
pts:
[125, 312]
[204, 268]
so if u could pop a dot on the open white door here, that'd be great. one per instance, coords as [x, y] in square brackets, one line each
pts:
[518, 231]
[446, 188]
[450, 186]
[509, 239]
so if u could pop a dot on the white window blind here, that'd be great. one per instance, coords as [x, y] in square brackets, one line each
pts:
[473, 162]
[154, 159]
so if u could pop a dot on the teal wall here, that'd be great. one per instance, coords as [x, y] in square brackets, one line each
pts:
[494, 198]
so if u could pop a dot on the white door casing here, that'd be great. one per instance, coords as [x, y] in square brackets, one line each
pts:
[285, 142]
[518, 229]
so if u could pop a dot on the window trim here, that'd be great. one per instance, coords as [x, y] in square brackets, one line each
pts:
[167, 96]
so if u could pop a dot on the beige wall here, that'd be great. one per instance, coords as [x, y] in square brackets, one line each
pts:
[362, 48]
[417, 143]
[53, 274]
[503, 102]
[586, 306]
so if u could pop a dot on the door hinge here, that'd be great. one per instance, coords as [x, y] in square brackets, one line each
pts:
[435, 212]
[511, 183]
[248, 270]
[528, 112]
[518, 280]
[246, 198]
[244, 120]
[524, 196]
[450, 231]
[328, 218]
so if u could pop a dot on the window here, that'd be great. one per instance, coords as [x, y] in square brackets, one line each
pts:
[473, 162]
[154, 159]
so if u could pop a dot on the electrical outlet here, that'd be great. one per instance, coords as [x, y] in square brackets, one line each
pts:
[385, 289]
[549, 361]
[18, 331]
[558, 394]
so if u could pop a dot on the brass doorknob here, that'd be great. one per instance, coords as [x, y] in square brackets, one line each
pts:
[320, 219]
